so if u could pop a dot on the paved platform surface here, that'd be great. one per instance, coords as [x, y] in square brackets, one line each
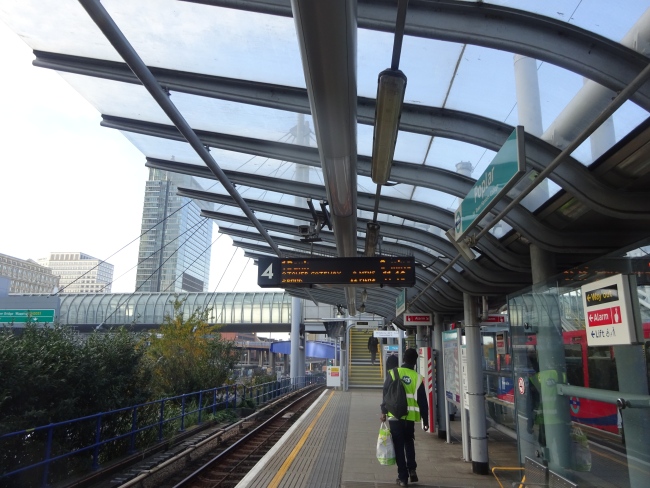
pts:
[334, 445]
[439, 464]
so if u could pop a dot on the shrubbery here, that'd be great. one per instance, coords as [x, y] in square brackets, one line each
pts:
[51, 374]
[187, 354]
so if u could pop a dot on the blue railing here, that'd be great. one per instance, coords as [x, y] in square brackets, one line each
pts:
[73, 447]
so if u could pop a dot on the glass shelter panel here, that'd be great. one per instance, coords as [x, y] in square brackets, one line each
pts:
[568, 393]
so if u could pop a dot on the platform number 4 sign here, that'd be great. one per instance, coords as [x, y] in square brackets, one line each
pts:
[268, 274]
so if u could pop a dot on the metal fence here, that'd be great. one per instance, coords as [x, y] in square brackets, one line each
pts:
[52, 453]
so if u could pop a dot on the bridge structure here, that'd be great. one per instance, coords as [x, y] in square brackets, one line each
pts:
[237, 312]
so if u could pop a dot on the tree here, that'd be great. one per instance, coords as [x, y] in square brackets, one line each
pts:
[188, 354]
[50, 374]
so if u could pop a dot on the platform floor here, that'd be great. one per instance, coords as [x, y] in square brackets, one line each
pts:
[333, 445]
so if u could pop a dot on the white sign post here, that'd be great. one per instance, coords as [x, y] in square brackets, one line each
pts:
[393, 334]
[609, 318]
[333, 376]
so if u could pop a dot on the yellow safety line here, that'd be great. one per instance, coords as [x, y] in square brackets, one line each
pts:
[506, 469]
[275, 482]
[626, 463]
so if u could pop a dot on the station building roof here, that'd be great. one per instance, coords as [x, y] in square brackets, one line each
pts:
[271, 103]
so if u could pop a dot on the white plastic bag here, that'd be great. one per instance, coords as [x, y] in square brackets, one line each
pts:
[385, 448]
[581, 451]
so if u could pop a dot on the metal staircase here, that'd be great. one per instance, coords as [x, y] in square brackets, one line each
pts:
[362, 374]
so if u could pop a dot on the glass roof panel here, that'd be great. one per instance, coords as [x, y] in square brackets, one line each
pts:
[67, 29]
[119, 99]
[484, 83]
[410, 147]
[237, 118]
[202, 113]
[401, 191]
[262, 195]
[177, 35]
[211, 40]
[595, 15]
[182, 152]
[434, 197]
[262, 216]
[447, 153]
[167, 149]
[428, 65]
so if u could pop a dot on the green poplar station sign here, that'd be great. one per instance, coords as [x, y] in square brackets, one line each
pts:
[505, 170]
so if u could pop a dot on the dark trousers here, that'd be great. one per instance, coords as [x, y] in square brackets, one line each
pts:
[403, 434]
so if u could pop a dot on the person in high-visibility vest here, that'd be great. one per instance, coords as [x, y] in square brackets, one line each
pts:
[402, 429]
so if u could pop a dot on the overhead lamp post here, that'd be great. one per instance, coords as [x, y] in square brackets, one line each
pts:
[390, 97]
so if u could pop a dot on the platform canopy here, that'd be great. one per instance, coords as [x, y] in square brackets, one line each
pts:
[272, 106]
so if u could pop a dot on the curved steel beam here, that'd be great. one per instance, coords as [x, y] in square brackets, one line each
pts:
[444, 288]
[506, 29]
[454, 278]
[487, 245]
[499, 255]
[432, 298]
[445, 297]
[578, 178]
[403, 233]
[546, 237]
[431, 121]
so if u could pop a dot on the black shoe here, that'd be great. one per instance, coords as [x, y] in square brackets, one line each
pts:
[402, 482]
[413, 475]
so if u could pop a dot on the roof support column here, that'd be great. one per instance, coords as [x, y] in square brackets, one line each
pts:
[297, 360]
[529, 111]
[475, 390]
[438, 326]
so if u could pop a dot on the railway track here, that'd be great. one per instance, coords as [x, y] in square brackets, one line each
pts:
[231, 453]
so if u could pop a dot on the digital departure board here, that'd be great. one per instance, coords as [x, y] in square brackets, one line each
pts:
[360, 271]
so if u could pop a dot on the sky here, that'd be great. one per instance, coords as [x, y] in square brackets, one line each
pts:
[67, 184]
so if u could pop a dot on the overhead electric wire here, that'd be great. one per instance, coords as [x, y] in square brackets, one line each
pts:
[197, 258]
[118, 251]
[117, 307]
[152, 254]
[240, 275]
[214, 293]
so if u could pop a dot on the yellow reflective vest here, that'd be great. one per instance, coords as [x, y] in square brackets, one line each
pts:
[411, 381]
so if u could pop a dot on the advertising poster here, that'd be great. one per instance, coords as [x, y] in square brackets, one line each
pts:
[450, 355]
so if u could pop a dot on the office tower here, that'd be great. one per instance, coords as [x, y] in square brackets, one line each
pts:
[27, 276]
[175, 246]
[79, 272]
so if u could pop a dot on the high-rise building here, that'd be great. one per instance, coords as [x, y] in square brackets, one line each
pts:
[26, 276]
[79, 272]
[175, 246]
